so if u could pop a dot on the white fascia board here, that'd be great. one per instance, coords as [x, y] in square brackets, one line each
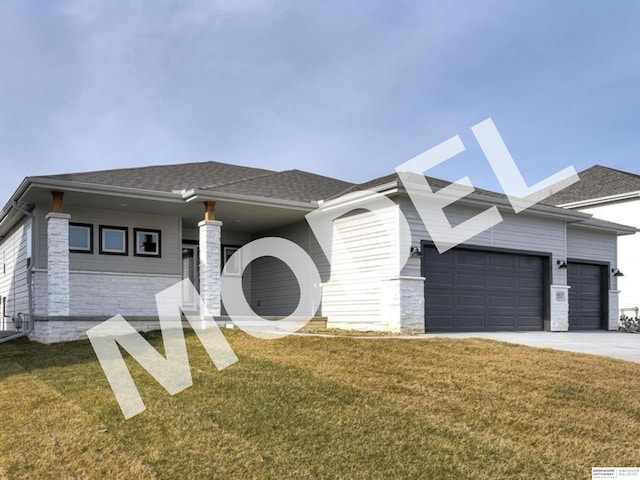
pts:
[195, 195]
[358, 196]
[603, 225]
[596, 201]
[82, 187]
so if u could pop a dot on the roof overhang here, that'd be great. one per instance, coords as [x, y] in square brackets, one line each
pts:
[483, 200]
[572, 217]
[246, 212]
[597, 201]
[604, 225]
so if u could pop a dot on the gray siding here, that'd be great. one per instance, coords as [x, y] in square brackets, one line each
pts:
[170, 226]
[585, 244]
[518, 232]
[13, 272]
[270, 284]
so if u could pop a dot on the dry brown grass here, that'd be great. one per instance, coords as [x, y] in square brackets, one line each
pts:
[308, 407]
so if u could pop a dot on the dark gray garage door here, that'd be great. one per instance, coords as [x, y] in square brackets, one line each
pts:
[473, 290]
[585, 296]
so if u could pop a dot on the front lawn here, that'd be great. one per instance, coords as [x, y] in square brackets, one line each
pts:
[309, 407]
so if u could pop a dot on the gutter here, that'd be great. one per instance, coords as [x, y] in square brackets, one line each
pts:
[83, 187]
[193, 195]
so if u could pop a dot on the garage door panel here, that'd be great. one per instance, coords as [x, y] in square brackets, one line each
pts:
[499, 260]
[502, 301]
[500, 321]
[529, 283]
[444, 300]
[470, 258]
[500, 281]
[443, 323]
[470, 300]
[528, 262]
[590, 289]
[468, 280]
[528, 322]
[531, 302]
[491, 290]
[471, 322]
[439, 279]
[434, 258]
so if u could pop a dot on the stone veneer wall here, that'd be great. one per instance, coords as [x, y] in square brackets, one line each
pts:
[95, 297]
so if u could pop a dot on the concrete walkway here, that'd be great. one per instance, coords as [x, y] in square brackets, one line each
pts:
[624, 346]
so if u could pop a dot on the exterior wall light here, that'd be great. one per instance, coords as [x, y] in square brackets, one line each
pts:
[562, 264]
[617, 273]
[414, 252]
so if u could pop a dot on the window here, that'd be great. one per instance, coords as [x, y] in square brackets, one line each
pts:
[80, 237]
[147, 242]
[234, 267]
[114, 240]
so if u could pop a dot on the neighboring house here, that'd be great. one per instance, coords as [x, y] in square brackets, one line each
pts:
[612, 195]
[79, 248]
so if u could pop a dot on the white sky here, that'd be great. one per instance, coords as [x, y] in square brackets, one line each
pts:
[345, 89]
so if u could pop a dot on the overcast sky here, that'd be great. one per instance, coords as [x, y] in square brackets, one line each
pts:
[344, 89]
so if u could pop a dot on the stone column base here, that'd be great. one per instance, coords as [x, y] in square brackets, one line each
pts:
[402, 304]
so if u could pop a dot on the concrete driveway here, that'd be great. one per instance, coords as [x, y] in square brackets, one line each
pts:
[624, 346]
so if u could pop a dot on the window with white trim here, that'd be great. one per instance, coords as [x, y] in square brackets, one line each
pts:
[80, 237]
[114, 240]
[147, 242]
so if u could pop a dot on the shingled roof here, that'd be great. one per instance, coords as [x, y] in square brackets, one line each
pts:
[295, 185]
[597, 182]
[287, 185]
[435, 184]
[167, 178]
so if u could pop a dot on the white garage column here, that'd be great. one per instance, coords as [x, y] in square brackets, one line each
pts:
[210, 260]
[402, 304]
[57, 264]
[559, 308]
[613, 316]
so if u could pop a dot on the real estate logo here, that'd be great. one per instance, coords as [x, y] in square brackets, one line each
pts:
[173, 372]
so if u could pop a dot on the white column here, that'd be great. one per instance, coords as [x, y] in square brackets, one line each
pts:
[559, 308]
[210, 260]
[57, 264]
[614, 313]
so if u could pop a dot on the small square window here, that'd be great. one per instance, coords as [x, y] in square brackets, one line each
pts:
[81, 237]
[113, 240]
[147, 242]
